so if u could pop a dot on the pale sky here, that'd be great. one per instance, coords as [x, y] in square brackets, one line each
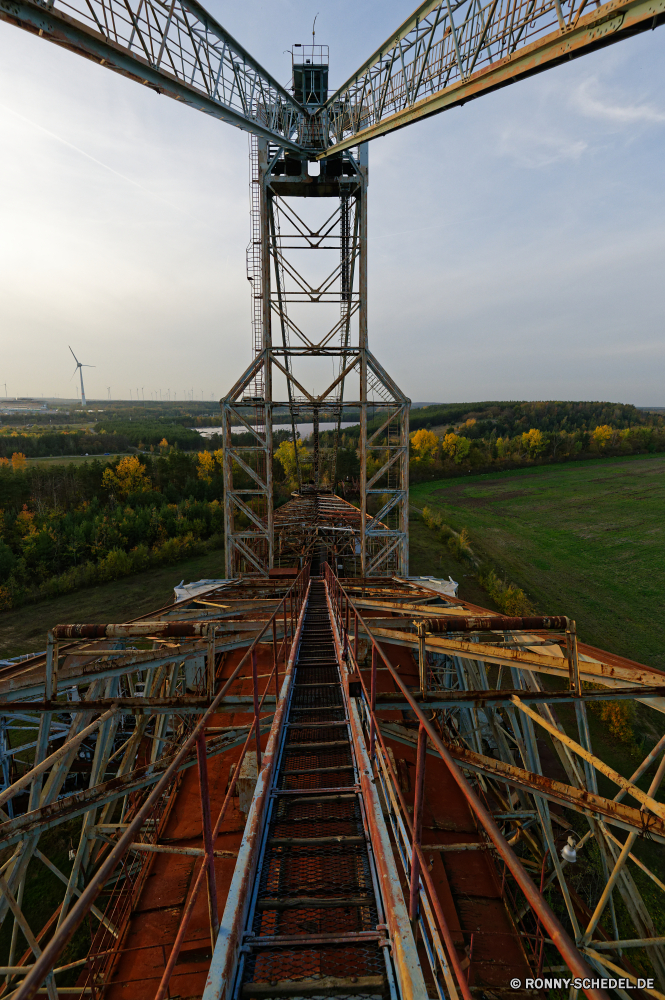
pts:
[517, 245]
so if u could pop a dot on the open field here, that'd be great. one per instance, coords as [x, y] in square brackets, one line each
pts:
[23, 630]
[584, 539]
[74, 459]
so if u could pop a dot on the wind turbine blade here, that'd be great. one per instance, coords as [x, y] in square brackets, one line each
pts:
[75, 371]
[73, 355]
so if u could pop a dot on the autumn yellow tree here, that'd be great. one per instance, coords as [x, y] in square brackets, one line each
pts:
[25, 522]
[604, 435]
[163, 444]
[286, 456]
[424, 445]
[206, 469]
[19, 461]
[129, 477]
[533, 442]
[456, 446]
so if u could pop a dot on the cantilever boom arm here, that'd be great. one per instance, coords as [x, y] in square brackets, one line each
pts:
[450, 52]
[174, 47]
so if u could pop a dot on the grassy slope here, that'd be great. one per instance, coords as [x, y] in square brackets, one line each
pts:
[583, 539]
[586, 540]
[24, 629]
[428, 556]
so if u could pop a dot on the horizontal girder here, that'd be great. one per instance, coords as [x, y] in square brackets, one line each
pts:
[450, 52]
[176, 48]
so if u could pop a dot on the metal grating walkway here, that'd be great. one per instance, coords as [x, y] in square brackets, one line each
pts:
[316, 925]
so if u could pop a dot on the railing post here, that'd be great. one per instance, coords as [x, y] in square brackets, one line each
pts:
[355, 638]
[286, 655]
[346, 626]
[211, 661]
[372, 706]
[422, 658]
[421, 758]
[571, 654]
[51, 677]
[293, 630]
[207, 835]
[275, 658]
[257, 728]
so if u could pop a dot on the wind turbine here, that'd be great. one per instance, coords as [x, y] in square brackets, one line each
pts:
[79, 368]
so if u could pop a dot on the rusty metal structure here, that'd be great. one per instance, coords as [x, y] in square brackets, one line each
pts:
[308, 361]
[323, 786]
[321, 777]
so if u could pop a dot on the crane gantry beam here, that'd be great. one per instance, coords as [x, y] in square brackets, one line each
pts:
[176, 48]
[450, 52]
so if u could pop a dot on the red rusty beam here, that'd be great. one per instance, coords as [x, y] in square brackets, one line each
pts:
[579, 799]
[495, 623]
[206, 828]
[132, 630]
[418, 795]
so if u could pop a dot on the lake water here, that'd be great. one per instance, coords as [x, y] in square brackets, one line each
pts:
[305, 429]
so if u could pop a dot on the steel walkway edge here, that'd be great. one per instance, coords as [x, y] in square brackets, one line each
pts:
[315, 907]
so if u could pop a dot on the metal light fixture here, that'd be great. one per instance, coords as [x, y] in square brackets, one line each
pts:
[569, 850]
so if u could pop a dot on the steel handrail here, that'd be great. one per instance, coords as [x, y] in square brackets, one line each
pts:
[45, 962]
[558, 935]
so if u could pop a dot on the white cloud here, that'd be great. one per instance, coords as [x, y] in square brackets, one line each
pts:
[591, 103]
[536, 149]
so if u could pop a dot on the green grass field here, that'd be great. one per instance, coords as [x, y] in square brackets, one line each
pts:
[24, 629]
[74, 459]
[584, 539]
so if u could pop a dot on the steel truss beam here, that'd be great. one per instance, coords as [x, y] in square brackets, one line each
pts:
[448, 53]
[174, 47]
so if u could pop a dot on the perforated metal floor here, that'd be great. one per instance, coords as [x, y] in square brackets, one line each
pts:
[316, 926]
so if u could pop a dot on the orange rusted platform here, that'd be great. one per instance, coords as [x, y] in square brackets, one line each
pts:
[467, 882]
[146, 941]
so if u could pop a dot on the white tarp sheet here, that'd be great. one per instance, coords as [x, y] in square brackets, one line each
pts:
[185, 590]
[448, 587]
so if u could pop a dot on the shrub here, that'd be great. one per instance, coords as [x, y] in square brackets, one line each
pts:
[460, 545]
[509, 598]
[114, 565]
[7, 560]
[617, 716]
